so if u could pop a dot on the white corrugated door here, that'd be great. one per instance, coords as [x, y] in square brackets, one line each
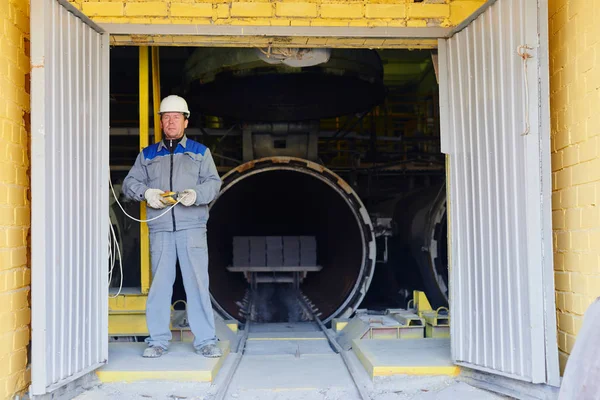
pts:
[69, 193]
[495, 129]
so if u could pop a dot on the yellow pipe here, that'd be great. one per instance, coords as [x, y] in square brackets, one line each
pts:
[144, 237]
[156, 93]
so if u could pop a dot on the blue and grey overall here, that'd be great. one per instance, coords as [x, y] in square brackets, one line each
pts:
[178, 235]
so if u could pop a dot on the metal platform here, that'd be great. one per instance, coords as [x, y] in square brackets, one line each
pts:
[405, 357]
[181, 363]
[278, 274]
[399, 325]
[299, 268]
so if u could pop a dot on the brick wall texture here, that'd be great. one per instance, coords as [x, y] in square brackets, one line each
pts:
[575, 105]
[381, 13]
[575, 118]
[14, 196]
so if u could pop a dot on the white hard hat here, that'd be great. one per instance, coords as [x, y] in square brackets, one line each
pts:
[174, 103]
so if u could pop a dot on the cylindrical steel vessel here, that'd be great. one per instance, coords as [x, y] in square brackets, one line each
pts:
[423, 230]
[284, 196]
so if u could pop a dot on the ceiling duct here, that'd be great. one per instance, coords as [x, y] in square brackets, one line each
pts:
[294, 57]
[275, 85]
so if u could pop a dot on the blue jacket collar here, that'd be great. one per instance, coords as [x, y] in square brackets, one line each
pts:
[183, 143]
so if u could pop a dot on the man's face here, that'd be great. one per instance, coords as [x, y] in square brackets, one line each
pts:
[173, 124]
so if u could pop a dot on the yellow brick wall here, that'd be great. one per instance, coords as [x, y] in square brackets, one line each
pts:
[575, 101]
[575, 118]
[381, 13]
[14, 196]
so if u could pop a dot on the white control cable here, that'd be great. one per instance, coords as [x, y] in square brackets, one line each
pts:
[112, 255]
[141, 220]
[113, 242]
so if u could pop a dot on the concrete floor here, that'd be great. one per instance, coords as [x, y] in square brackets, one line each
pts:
[313, 374]
[388, 388]
[289, 362]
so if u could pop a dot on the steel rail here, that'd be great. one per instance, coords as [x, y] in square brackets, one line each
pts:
[335, 345]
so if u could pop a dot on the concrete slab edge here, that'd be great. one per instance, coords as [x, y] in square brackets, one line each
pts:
[172, 376]
[107, 376]
[362, 357]
[389, 370]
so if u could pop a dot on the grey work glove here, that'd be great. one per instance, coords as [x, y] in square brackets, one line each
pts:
[154, 199]
[187, 197]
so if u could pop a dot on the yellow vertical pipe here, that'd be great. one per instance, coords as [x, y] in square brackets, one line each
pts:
[156, 93]
[144, 237]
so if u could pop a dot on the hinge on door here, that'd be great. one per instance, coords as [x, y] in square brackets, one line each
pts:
[525, 52]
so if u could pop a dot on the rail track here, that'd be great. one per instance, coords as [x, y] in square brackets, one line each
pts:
[313, 313]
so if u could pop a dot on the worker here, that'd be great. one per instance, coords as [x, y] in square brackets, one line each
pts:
[180, 165]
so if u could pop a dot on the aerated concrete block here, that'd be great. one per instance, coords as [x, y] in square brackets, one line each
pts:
[274, 251]
[308, 250]
[241, 251]
[258, 247]
[291, 251]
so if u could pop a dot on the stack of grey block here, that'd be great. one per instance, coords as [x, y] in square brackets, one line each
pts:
[291, 251]
[308, 250]
[258, 244]
[241, 251]
[274, 251]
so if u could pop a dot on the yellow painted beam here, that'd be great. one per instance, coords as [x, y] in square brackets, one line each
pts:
[253, 41]
[421, 302]
[144, 100]
[134, 324]
[432, 331]
[233, 325]
[127, 304]
[339, 323]
[127, 325]
[156, 93]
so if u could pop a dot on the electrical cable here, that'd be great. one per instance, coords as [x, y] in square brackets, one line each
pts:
[112, 254]
[142, 220]
[113, 243]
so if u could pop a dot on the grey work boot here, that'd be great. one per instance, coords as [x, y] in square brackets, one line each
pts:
[154, 352]
[210, 351]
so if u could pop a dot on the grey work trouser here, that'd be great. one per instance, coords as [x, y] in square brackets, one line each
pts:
[190, 247]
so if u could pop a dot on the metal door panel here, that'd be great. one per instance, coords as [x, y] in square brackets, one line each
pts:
[495, 118]
[69, 176]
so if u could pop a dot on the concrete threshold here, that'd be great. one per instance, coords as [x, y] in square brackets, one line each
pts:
[382, 357]
[181, 364]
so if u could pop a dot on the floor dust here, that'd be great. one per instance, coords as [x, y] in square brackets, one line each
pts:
[388, 388]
